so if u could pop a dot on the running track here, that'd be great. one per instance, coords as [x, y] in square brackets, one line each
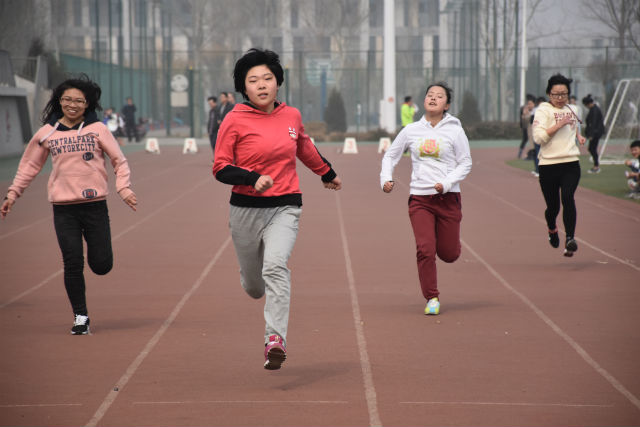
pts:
[525, 336]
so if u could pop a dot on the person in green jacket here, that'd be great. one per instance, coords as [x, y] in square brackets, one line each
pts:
[407, 111]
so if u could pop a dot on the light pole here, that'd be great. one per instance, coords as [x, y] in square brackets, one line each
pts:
[388, 102]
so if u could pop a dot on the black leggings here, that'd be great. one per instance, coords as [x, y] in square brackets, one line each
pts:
[593, 150]
[72, 223]
[559, 182]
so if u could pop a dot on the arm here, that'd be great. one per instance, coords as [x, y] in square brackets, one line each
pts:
[391, 158]
[463, 162]
[309, 155]
[224, 168]
[120, 167]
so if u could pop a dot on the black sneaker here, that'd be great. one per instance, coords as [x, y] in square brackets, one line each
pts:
[80, 325]
[570, 247]
[554, 240]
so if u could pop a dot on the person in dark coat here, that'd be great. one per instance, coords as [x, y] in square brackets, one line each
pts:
[594, 130]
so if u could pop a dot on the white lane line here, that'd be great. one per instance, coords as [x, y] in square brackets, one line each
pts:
[133, 367]
[40, 405]
[546, 319]
[113, 239]
[369, 387]
[531, 404]
[24, 227]
[613, 211]
[247, 402]
[541, 221]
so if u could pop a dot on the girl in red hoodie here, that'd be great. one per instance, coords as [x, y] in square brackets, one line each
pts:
[258, 143]
[77, 142]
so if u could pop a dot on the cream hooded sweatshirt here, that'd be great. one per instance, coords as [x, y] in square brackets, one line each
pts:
[561, 148]
[78, 164]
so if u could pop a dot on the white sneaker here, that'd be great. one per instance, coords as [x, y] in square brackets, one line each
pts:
[80, 325]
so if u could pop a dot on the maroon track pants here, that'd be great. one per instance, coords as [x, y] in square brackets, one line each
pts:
[436, 226]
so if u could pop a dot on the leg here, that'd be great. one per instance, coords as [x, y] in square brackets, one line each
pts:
[593, 150]
[550, 186]
[523, 143]
[97, 234]
[568, 185]
[423, 221]
[279, 238]
[448, 227]
[535, 159]
[246, 226]
[69, 233]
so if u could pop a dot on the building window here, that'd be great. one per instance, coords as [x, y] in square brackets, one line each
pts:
[294, 14]
[375, 13]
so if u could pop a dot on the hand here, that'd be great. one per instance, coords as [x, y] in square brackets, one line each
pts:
[439, 188]
[263, 183]
[335, 184]
[6, 207]
[131, 201]
[581, 139]
[388, 187]
[564, 121]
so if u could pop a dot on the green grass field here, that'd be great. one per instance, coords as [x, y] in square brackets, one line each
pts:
[610, 180]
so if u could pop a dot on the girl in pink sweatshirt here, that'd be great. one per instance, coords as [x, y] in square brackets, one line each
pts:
[77, 142]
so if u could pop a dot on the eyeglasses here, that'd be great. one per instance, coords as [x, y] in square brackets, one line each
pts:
[559, 95]
[68, 101]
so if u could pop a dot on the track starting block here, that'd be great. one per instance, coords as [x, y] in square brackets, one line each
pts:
[384, 144]
[350, 146]
[190, 146]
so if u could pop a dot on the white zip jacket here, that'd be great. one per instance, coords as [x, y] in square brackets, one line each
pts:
[439, 154]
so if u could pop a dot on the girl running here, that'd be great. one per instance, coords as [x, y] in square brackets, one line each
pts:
[440, 159]
[555, 128]
[258, 143]
[77, 142]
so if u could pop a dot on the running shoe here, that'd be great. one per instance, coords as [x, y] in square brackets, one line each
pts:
[433, 306]
[570, 247]
[594, 170]
[80, 325]
[554, 240]
[274, 353]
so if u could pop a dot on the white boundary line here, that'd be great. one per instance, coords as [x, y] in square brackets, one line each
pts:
[572, 343]
[113, 239]
[529, 214]
[133, 367]
[563, 405]
[367, 377]
[247, 402]
[24, 227]
[40, 405]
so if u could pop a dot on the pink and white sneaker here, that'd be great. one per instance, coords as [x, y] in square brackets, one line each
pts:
[274, 353]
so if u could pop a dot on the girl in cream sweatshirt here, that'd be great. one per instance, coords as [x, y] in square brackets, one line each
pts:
[77, 142]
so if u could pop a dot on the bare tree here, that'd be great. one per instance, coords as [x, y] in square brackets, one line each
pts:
[618, 15]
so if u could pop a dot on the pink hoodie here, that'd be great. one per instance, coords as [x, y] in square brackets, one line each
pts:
[77, 155]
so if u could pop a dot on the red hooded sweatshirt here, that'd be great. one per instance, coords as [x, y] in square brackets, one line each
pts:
[252, 143]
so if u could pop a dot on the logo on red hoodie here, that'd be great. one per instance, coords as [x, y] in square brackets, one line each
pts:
[292, 132]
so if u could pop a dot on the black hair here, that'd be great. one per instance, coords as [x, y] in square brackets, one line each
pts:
[587, 100]
[559, 79]
[212, 98]
[252, 58]
[540, 99]
[635, 143]
[446, 88]
[91, 92]
[531, 97]
[407, 98]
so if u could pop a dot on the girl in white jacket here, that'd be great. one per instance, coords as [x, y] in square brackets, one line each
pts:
[441, 159]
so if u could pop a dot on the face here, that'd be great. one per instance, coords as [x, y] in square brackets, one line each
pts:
[530, 104]
[559, 95]
[635, 152]
[435, 102]
[261, 87]
[212, 103]
[74, 104]
[223, 98]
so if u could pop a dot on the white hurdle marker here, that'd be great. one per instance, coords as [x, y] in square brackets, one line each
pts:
[350, 146]
[152, 146]
[190, 146]
[384, 144]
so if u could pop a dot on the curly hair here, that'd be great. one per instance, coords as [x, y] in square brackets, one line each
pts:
[89, 88]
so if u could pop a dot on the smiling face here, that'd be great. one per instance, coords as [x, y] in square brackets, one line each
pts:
[435, 102]
[261, 87]
[74, 104]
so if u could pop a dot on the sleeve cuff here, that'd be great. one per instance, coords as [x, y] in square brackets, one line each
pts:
[252, 178]
[329, 176]
[125, 192]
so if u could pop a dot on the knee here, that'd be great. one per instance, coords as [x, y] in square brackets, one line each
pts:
[101, 267]
[253, 287]
[449, 257]
[424, 252]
